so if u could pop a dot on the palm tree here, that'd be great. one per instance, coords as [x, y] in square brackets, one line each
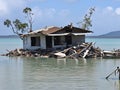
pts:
[28, 12]
[17, 26]
[8, 23]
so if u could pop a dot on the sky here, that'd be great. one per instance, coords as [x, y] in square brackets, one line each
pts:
[106, 17]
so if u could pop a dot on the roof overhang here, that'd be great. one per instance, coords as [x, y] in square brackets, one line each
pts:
[65, 34]
[56, 31]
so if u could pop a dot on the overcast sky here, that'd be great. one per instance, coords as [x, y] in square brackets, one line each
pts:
[59, 13]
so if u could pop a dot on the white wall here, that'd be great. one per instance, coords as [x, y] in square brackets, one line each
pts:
[27, 42]
[43, 41]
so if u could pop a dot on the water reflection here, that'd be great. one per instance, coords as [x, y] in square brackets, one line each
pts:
[56, 74]
[61, 61]
[117, 84]
[114, 82]
[75, 61]
[11, 73]
[52, 74]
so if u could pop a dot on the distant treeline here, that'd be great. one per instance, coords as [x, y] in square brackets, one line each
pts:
[103, 36]
[15, 36]
[114, 34]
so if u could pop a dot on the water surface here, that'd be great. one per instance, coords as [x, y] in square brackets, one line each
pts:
[52, 74]
[28, 73]
[105, 43]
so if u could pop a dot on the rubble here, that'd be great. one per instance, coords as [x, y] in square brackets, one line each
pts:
[85, 50]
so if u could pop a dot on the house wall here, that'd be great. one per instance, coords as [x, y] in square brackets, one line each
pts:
[43, 42]
[63, 44]
[78, 39]
[75, 41]
[27, 42]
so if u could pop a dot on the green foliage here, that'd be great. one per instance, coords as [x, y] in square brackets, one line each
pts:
[29, 14]
[19, 27]
[27, 10]
[87, 22]
[7, 22]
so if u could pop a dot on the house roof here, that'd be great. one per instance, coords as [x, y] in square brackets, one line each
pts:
[71, 29]
[56, 31]
[46, 30]
[50, 30]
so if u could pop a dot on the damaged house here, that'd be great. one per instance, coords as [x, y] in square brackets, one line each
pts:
[54, 37]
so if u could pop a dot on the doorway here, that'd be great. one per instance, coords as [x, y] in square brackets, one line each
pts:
[68, 40]
[48, 42]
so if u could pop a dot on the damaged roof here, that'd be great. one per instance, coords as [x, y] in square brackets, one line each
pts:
[71, 29]
[50, 30]
[53, 30]
[45, 30]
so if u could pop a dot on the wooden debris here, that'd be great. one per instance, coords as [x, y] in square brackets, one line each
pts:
[112, 54]
[85, 50]
[60, 54]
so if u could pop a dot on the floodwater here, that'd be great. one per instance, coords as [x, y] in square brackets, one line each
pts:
[57, 74]
[28, 73]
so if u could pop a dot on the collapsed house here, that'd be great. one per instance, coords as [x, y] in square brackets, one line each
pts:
[54, 38]
[66, 42]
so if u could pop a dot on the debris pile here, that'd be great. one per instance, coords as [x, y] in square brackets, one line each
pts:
[112, 54]
[27, 53]
[85, 50]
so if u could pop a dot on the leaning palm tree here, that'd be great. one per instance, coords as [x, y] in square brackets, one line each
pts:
[17, 26]
[8, 23]
[29, 14]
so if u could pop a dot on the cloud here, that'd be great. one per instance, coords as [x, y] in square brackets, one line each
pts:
[50, 12]
[64, 12]
[106, 20]
[7, 6]
[111, 11]
[117, 11]
[50, 16]
[44, 13]
[109, 8]
[37, 12]
[3, 7]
